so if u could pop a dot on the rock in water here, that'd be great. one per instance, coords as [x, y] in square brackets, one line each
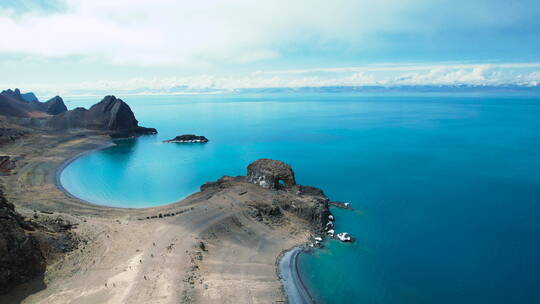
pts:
[345, 237]
[188, 138]
[268, 173]
[110, 114]
[20, 256]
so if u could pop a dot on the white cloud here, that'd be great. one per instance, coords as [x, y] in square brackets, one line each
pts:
[160, 32]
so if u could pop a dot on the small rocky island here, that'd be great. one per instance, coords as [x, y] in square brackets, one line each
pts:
[188, 138]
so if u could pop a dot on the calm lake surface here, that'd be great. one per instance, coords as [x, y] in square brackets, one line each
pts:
[446, 188]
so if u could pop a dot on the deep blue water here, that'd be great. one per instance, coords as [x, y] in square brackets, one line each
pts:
[446, 189]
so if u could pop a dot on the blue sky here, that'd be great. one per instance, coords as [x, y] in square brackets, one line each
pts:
[65, 45]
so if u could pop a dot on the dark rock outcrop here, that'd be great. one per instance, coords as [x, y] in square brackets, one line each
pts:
[268, 173]
[28, 245]
[20, 256]
[188, 138]
[110, 114]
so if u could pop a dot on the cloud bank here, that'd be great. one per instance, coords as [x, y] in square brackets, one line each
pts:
[386, 75]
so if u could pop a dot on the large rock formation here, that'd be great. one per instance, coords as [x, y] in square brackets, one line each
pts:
[269, 173]
[20, 256]
[110, 114]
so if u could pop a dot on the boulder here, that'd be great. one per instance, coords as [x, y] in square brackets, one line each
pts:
[271, 174]
[345, 237]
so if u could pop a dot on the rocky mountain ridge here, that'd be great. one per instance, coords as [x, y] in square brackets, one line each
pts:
[111, 115]
[15, 103]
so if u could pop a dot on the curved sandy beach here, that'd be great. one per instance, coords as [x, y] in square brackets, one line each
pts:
[126, 256]
[293, 285]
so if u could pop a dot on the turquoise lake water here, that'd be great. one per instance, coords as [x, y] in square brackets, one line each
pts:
[446, 189]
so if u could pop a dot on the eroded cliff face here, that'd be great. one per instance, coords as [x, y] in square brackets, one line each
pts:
[20, 256]
[110, 114]
[269, 173]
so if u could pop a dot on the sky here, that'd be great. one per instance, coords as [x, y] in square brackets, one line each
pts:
[62, 46]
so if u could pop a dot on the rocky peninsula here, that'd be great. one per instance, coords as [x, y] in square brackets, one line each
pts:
[217, 245]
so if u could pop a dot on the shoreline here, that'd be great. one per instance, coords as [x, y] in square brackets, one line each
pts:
[217, 215]
[106, 144]
[293, 286]
[61, 167]
[286, 263]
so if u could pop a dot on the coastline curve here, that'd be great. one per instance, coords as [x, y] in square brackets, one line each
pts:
[287, 263]
[66, 163]
[292, 283]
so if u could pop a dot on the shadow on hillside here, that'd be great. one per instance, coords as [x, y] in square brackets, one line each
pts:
[20, 292]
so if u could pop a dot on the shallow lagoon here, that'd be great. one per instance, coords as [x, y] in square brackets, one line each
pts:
[447, 189]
